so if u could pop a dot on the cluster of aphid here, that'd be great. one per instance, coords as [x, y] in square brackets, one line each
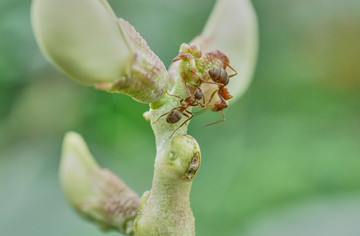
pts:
[198, 70]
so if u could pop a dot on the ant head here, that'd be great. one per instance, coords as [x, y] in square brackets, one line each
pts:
[198, 94]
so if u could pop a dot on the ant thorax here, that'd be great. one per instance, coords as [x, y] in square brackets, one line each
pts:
[189, 100]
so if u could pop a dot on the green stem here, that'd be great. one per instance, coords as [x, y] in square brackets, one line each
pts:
[165, 210]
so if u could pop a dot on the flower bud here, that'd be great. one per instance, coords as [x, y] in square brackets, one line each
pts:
[82, 38]
[96, 193]
[147, 78]
[182, 160]
[85, 40]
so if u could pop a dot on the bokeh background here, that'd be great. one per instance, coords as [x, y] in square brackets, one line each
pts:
[285, 162]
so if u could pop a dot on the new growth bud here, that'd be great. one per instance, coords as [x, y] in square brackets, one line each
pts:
[96, 193]
[182, 160]
[84, 39]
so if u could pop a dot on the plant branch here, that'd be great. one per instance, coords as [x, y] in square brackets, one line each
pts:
[165, 210]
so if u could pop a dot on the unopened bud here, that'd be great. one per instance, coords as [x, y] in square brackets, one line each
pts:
[87, 42]
[94, 192]
[182, 159]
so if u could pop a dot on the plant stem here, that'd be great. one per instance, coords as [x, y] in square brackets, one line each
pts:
[165, 210]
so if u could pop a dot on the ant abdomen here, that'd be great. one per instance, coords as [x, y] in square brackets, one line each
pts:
[219, 75]
[174, 116]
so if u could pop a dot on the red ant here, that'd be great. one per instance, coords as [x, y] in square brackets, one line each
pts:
[220, 78]
[176, 113]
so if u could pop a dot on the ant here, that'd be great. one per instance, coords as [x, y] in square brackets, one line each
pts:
[220, 78]
[177, 113]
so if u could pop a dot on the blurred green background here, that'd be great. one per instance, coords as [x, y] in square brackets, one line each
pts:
[285, 162]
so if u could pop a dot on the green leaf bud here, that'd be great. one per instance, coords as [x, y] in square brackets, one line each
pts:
[85, 40]
[96, 193]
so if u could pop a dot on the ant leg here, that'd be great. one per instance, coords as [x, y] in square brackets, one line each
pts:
[189, 89]
[227, 64]
[182, 99]
[231, 69]
[223, 119]
[188, 118]
[211, 97]
[202, 80]
[209, 82]
[161, 116]
[173, 95]
[222, 98]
